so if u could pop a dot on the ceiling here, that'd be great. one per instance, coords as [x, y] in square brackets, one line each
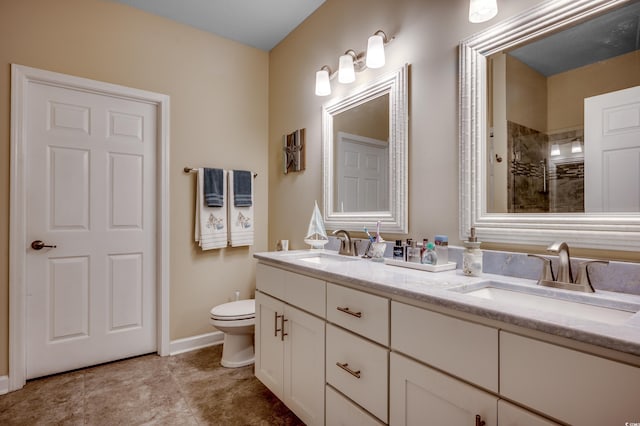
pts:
[601, 38]
[258, 23]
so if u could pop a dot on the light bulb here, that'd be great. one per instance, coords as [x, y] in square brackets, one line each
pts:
[482, 10]
[346, 72]
[375, 52]
[576, 147]
[323, 86]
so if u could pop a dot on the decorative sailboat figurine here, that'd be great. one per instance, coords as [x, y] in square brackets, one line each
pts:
[316, 235]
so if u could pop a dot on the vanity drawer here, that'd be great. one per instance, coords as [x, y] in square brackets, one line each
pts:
[299, 290]
[305, 292]
[269, 280]
[365, 359]
[566, 384]
[342, 412]
[464, 349]
[362, 313]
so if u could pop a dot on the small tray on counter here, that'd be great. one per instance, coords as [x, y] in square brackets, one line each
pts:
[421, 266]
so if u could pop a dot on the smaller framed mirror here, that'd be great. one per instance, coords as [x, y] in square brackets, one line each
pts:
[364, 150]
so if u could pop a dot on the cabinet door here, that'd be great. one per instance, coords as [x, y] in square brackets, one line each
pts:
[420, 395]
[268, 343]
[304, 365]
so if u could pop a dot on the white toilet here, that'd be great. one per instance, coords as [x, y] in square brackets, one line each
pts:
[237, 321]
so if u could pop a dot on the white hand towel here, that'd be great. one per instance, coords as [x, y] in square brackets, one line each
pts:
[241, 219]
[211, 222]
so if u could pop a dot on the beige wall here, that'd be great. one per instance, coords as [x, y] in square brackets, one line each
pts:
[219, 117]
[526, 95]
[427, 36]
[568, 90]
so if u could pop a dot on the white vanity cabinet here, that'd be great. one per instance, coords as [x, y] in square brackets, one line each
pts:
[378, 361]
[290, 343]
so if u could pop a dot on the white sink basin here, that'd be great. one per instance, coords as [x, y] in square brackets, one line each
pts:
[323, 258]
[579, 305]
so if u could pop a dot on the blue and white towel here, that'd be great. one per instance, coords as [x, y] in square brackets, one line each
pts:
[214, 187]
[211, 222]
[241, 218]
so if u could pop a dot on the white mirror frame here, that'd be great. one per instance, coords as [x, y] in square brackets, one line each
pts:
[396, 218]
[601, 231]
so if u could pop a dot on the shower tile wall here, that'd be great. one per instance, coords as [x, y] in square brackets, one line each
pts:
[539, 183]
[527, 181]
[566, 175]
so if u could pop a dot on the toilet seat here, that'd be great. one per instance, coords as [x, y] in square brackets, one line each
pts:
[234, 311]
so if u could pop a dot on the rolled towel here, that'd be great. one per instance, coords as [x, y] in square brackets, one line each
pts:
[242, 188]
[214, 187]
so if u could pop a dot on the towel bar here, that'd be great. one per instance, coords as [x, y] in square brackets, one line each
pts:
[193, 170]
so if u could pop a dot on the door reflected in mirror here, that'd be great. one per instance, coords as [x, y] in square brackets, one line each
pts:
[361, 136]
[564, 112]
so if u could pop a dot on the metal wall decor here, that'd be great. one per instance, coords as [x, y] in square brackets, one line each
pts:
[293, 151]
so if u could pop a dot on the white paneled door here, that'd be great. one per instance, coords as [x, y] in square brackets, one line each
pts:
[91, 193]
[612, 152]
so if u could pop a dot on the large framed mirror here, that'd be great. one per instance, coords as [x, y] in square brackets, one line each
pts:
[364, 150]
[550, 126]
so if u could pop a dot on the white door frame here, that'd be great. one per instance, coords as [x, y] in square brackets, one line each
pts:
[21, 77]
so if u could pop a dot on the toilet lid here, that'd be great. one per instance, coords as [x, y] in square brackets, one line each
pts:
[240, 309]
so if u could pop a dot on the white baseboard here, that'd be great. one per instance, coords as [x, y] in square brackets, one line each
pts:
[195, 342]
[4, 385]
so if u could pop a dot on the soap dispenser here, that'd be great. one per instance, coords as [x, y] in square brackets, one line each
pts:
[472, 256]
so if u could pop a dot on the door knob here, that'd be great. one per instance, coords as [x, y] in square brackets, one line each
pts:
[39, 245]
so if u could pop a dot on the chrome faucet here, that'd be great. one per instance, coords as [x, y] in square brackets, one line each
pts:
[347, 245]
[564, 278]
[564, 274]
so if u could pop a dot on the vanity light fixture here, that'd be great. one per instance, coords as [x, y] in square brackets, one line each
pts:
[323, 85]
[346, 70]
[576, 146]
[375, 50]
[482, 10]
[555, 150]
[351, 62]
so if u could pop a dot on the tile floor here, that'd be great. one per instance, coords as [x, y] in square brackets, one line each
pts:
[187, 389]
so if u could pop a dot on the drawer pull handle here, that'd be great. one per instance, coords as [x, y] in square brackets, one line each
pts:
[349, 311]
[479, 421]
[346, 368]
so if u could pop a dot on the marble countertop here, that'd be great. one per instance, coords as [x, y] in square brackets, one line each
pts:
[447, 289]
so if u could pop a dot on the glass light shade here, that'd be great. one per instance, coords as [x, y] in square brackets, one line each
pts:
[346, 73]
[576, 147]
[323, 86]
[482, 10]
[375, 52]
[555, 149]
